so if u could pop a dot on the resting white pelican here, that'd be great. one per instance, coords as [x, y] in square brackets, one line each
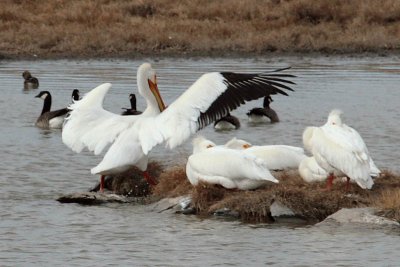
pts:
[263, 114]
[310, 171]
[211, 97]
[228, 122]
[227, 167]
[277, 157]
[340, 151]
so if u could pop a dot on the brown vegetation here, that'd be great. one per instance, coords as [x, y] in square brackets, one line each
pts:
[104, 28]
[306, 200]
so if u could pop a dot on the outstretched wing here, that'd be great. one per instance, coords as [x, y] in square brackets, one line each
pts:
[210, 98]
[90, 126]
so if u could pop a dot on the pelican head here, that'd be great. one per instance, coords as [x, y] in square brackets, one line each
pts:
[147, 83]
[200, 144]
[334, 117]
[239, 144]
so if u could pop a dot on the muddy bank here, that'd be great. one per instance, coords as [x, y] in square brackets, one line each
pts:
[132, 29]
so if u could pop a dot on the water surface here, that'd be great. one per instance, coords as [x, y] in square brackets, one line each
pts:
[36, 168]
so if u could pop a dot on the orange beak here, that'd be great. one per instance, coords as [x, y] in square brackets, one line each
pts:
[154, 89]
[245, 146]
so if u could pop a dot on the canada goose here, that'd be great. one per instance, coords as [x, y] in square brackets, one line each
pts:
[50, 119]
[132, 110]
[30, 82]
[228, 122]
[261, 114]
[75, 95]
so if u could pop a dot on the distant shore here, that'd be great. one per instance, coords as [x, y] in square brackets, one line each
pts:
[134, 29]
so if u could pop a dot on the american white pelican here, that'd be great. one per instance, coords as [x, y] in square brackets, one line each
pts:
[277, 157]
[310, 171]
[263, 114]
[30, 82]
[340, 151]
[211, 97]
[227, 122]
[50, 119]
[132, 110]
[227, 167]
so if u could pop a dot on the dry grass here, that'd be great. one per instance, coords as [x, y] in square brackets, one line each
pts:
[307, 200]
[104, 28]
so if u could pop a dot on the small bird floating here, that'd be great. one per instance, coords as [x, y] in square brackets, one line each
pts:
[263, 114]
[30, 82]
[50, 119]
[228, 122]
[132, 110]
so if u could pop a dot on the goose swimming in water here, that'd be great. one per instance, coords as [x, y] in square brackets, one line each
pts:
[228, 122]
[340, 151]
[258, 115]
[131, 138]
[50, 119]
[75, 95]
[226, 167]
[132, 110]
[30, 82]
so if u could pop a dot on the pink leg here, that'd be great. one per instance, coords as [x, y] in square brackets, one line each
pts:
[347, 184]
[101, 183]
[150, 180]
[329, 182]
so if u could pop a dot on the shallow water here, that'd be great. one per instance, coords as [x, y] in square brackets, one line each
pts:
[36, 168]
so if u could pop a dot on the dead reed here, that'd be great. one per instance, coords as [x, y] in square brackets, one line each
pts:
[120, 28]
[307, 200]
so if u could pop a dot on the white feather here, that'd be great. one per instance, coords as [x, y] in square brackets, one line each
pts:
[227, 167]
[339, 148]
[277, 157]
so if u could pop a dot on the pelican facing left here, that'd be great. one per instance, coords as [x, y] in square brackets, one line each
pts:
[131, 138]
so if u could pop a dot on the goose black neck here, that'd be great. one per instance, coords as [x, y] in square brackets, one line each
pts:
[266, 102]
[46, 104]
[133, 102]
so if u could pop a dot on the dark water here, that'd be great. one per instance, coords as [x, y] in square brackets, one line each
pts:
[36, 168]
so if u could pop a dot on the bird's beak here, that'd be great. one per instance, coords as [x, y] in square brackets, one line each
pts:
[245, 146]
[38, 95]
[154, 89]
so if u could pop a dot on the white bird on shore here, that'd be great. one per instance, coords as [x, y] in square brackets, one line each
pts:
[211, 97]
[227, 167]
[277, 157]
[340, 151]
[311, 172]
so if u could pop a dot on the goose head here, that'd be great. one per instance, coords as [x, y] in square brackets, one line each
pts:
[75, 94]
[44, 95]
[147, 87]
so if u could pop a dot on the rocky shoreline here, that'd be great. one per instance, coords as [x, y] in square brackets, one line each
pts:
[292, 200]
